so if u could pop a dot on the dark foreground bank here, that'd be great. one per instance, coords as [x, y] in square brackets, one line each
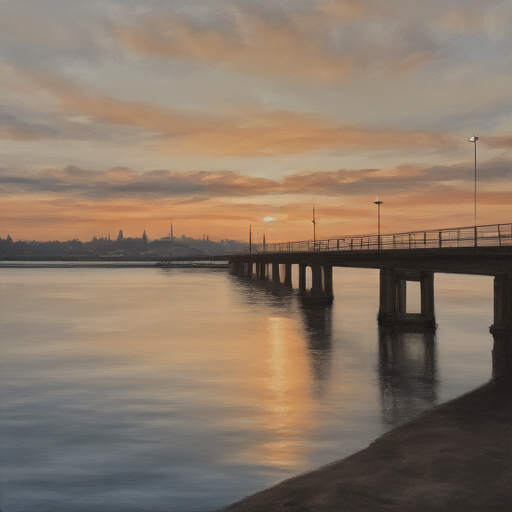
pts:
[454, 457]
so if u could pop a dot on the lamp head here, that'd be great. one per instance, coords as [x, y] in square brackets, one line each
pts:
[474, 138]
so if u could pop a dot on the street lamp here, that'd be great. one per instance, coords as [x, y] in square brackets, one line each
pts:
[473, 139]
[250, 238]
[378, 203]
[314, 229]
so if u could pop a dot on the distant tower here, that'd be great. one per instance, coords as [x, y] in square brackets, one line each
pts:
[144, 239]
[120, 236]
[207, 238]
[109, 235]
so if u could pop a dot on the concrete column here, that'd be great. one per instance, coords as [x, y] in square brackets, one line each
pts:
[388, 299]
[302, 277]
[427, 296]
[316, 275]
[288, 274]
[328, 289]
[401, 296]
[275, 273]
[502, 332]
[249, 269]
[263, 271]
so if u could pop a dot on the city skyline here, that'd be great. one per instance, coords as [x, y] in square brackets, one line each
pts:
[220, 115]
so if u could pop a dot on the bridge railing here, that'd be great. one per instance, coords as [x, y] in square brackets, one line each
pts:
[491, 235]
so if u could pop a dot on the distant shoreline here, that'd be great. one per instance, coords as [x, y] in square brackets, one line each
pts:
[109, 264]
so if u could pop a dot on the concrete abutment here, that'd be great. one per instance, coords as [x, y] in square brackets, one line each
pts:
[393, 298]
[502, 331]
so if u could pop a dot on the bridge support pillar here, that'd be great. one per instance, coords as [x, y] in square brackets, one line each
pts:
[427, 296]
[237, 268]
[393, 298]
[502, 332]
[302, 277]
[276, 277]
[263, 271]
[288, 274]
[328, 289]
[321, 289]
[316, 278]
[249, 269]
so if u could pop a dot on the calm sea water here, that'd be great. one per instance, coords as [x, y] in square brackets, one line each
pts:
[184, 390]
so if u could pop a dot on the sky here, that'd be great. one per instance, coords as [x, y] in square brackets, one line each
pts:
[218, 115]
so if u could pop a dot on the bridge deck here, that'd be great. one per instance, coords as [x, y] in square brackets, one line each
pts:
[478, 261]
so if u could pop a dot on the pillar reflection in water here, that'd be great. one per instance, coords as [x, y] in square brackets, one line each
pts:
[407, 373]
[318, 330]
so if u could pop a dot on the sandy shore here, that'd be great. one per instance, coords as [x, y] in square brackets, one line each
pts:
[454, 457]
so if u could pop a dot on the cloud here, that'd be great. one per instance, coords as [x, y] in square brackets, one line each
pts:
[250, 131]
[498, 141]
[325, 41]
[194, 187]
[12, 128]
[125, 183]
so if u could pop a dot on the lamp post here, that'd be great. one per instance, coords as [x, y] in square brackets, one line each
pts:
[250, 238]
[314, 229]
[378, 203]
[473, 139]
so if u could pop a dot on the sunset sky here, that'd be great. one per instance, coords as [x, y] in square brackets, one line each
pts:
[214, 115]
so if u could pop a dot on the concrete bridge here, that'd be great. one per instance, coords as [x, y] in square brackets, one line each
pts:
[401, 257]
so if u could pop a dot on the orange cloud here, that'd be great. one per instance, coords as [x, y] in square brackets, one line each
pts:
[46, 219]
[498, 141]
[253, 132]
[123, 183]
[80, 203]
[256, 46]
[325, 42]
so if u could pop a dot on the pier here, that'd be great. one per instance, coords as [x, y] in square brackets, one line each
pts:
[400, 257]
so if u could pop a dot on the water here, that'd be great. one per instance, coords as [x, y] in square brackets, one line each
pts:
[143, 389]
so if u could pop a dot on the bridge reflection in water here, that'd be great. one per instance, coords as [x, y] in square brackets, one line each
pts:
[318, 329]
[407, 373]
[407, 358]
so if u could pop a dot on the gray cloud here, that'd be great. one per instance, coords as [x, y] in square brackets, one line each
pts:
[196, 186]
[12, 128]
